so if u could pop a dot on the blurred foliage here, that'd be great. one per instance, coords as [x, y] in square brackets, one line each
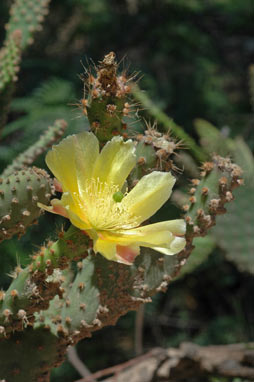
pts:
[194, 57]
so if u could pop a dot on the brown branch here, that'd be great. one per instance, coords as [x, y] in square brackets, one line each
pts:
[115, 370]
[182, 364]
[139, 325]
[77, 363]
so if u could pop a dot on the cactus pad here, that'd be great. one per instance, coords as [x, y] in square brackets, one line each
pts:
[19, 195]
[106, 102]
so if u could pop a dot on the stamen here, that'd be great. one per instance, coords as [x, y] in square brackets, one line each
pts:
[101, 203]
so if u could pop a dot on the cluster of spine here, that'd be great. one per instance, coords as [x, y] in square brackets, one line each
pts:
[105, 100]
[19, 195]
[51, 135]
[164, 146]
[154, 151]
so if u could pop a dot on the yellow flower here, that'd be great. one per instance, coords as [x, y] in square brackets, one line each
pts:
[95, 198]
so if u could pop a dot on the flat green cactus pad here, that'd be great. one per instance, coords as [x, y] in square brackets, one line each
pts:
[19, 195]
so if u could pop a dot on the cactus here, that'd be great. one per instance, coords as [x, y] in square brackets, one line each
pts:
[10, 56]
[25, 18]
[39, 349]
[236, 239]
[106, 103]
[69, 290]
[19, 195]
[208, 195]
[154, 150]
[34, 287]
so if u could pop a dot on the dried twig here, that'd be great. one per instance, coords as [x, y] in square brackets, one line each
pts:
[77, 363]
[139, 324]
[115, 370]
[183, 364]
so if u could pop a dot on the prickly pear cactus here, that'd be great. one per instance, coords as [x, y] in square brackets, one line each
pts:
[26, 18]
[235, 238]
[94, 272]
[10, 55]
[105, 100]
[19, 195]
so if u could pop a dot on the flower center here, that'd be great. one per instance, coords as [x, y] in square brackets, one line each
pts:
[102, 204]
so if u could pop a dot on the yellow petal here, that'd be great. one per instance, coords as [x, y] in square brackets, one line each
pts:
[67, 208]
[163, 236]
[150, 193]
[86, 154]
[55, 208]
[75, 212]
[176, 246]
[106, 248]
[112, 251]
[61, 161]
[132, 236]
[74, 157]
[76, 221]
[115, 162]
[176, 227]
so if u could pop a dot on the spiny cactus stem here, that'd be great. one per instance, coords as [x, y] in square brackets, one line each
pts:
[105, 117]
[34, 286]
[19, 195]
[208, 197]
[10, 56]
[106, 103]
[71, 245]
[28, 17]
